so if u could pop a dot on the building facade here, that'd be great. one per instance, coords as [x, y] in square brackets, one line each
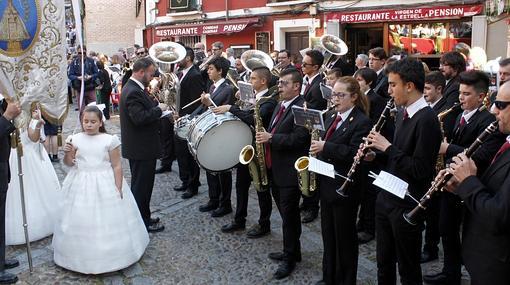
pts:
[420, 28]
[113, 25]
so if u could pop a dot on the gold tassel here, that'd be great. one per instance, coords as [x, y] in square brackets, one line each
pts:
[14, 141]
[59, 137]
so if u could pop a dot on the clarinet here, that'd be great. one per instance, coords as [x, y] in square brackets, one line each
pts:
[411, 217]
[357, 159]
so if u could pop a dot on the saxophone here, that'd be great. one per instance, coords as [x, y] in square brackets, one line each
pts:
[440, 157]
[257, 168]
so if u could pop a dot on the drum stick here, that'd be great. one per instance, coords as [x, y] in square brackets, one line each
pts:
[194, 101]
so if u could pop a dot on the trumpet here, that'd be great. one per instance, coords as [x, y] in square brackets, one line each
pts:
[357, 159]
[439, 184]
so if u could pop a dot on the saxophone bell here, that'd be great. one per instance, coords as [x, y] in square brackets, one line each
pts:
[246, 158]
[301, 166]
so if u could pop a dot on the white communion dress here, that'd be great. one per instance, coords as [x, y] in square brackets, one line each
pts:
[97, 231]
[42, 193]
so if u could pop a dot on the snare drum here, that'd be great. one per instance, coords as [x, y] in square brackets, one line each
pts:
[216, 140]
[181, 127]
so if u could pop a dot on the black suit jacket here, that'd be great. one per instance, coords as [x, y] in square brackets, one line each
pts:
[451, 91]
[222, 95]
[464, 136]
[6, 128]
[289, 142]
[340, 150]
[266, 111]
[449, 120]
[486, 230]
[192, 86]
[381, 85]
[313, 95]
[347, 69]
[139, 123]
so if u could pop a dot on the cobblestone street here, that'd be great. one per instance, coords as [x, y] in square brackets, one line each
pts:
[192, 249]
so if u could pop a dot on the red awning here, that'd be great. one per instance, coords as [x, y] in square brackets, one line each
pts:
[209, 28]
[411, 14]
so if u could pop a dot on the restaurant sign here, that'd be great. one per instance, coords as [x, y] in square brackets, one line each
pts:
[201, 29]
[412, 14]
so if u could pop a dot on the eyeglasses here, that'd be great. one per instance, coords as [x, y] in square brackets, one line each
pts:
[373, 59]
[340, 94]
[140, 53]
[501, 105]
[307, 64]
[215, 49]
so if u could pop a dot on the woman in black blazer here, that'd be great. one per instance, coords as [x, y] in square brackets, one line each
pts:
[345, 130]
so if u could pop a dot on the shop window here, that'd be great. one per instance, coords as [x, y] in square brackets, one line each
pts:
[177, 6]
[428, 38]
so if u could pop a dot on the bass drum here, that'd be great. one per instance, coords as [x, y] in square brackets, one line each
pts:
[216, 140]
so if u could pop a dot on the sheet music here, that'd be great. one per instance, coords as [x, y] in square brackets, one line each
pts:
[392, 184]
[246, 92]
[321, 167]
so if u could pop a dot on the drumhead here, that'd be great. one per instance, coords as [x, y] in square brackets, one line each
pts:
[220, 146]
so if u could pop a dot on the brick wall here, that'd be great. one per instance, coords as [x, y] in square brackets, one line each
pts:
[110, 25]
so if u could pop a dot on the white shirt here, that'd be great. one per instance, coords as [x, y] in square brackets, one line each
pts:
[285, 104]
[307, 80]
[185, 71]
[434, 103]
[218, 83]
[416, 106]
[137, 82]
[468, 115]
[344, 116]
[260, 94]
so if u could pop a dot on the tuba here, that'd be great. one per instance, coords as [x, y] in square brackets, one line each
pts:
[253, 58]
[333, 47]
[165, 54]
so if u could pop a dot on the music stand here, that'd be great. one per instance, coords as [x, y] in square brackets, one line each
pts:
[310, 119]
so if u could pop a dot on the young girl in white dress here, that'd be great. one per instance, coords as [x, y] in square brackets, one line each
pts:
[40, 184]
[100, 228]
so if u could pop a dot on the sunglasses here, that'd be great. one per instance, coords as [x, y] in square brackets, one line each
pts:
[140, 53]
[501, 105]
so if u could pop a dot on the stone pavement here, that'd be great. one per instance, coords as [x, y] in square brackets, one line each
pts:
[191, 249]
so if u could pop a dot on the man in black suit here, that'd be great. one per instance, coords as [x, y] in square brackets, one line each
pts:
[192, 85]
[376, 60]
[284, 60]
[286, 142]
[311, 91]
[411, 157]
[259, 78]
[221, 93]
[139, 124]
[504, 75]
[451, 64]
[485, 238]
[433, 94]
[469, 125]
[7, 113]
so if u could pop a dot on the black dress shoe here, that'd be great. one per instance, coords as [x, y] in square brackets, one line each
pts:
[309, 216]
[164, 169]
[153, 221]
[284, 269]
[7, 278]
[221, 211]
[364, 237]
[428, 256]
[11, 263]
[279, 256]
[441, 278]
[208, 207]
[154, 228]
[180, 188]
[258, 231]
[232, 227]
[189, 193]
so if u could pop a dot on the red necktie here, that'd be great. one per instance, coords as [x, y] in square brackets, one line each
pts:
[406, 115]
[179, 75]
[333, 127]
[211, 89]
[501, 150]
[273, 128]
[462, 122]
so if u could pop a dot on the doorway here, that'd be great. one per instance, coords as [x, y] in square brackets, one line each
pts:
[361, 40]
[296, 41]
